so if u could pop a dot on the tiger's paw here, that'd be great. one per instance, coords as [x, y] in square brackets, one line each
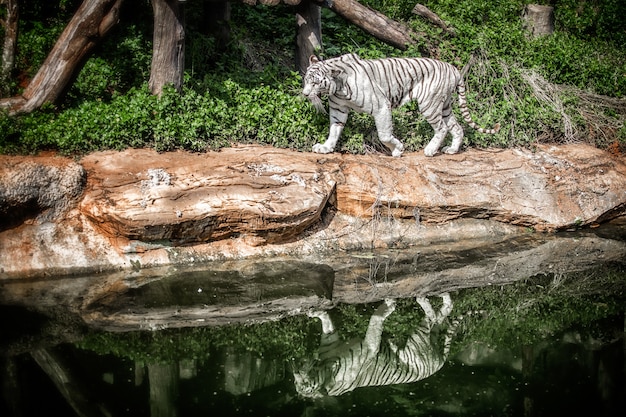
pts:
[386, 308]
[430, 151]
[322, 148]
[397, 152]
[450, 150]
[320, 314]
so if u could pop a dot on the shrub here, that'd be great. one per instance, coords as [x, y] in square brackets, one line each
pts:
[249, 93]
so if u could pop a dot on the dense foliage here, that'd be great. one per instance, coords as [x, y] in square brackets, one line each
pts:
[544, 89]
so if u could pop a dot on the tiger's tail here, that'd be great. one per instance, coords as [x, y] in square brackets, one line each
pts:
[466, 114]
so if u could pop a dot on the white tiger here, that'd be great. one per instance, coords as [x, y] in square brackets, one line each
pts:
[378, 86]
[342, 366]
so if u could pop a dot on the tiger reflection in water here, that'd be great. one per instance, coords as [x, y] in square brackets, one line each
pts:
[342, 366]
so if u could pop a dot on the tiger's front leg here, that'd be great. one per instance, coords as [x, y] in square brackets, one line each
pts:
[384, 126]
[338, 118]
[373, 335]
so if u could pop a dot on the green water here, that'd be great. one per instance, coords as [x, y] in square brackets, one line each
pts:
[549, 344]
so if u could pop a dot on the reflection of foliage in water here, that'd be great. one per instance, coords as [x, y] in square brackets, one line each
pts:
[286, 338]
[526, 312]
[512, 315]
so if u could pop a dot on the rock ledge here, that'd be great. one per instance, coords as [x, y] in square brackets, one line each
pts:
[139, 208]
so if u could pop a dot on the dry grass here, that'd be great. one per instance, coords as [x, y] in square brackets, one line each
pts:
[578, 116]
[600, 118]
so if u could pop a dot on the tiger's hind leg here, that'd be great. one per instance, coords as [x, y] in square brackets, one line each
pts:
[437, 116]
[456, 131]
[435, 143]
[441, 130]
[433, 317]
[446, 307]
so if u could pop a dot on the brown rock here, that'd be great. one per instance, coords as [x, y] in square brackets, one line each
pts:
[273, 195]
[550, 188]
[141, 208]
[44, 187]
[266, 194]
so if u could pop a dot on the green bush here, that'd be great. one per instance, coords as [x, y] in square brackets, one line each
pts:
[228, 112]
[599, 19]
[124, 62]
[249, 93]
[286, 339]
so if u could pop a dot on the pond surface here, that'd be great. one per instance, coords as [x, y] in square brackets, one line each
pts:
[518, 326]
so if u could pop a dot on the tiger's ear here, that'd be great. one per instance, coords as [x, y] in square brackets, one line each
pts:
[313, 59]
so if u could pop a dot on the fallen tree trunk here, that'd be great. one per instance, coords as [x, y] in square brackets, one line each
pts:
[89, 24]
[368, 19]
[371, 21]
[432, 17]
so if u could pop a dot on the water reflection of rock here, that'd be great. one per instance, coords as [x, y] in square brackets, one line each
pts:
[533, 379]
[342, 366]
[255, 291]
[252, 290]
[449, 267]
[265, 290]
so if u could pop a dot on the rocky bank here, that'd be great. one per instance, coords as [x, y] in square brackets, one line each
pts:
[139, 208]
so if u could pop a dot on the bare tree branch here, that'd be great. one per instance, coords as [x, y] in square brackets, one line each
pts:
[432, 17]
[372, 21]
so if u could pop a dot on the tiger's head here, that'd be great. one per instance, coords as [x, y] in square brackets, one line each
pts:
[307, 386]
[319, 81]
[314, 378]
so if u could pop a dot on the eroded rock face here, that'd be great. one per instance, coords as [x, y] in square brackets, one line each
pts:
[37, 187]
[140, 208]
[273, 195]
[547, 189]
[266, 195]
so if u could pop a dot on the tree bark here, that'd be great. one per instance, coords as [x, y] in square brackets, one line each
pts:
[372, 21]
[164, 389]
[10, 25]
[168, 51]
[538, 19]
[92, 20]
[309, 33]
[432, 17]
